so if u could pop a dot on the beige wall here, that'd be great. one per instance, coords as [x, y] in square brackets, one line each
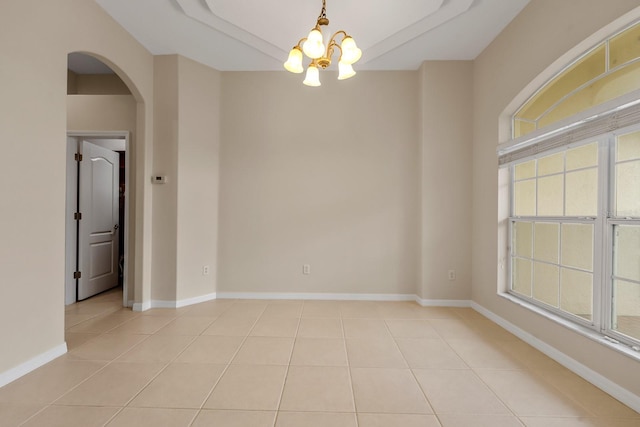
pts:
[95, 84]
[35, 38]
[101, 112]
[165, 162]
[446, 132]
[542, 33]
[198, 180]
[187, 143]
[322, 176]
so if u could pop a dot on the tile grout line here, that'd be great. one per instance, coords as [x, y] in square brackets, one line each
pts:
[413, 375]
[286, 374]
[473, 371]
[346, 353]
[52, 403]
[228, 364]
[115, 360]
[195, 337]
[465, 319]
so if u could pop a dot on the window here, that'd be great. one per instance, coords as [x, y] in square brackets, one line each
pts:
[574, 218]
[553, 228]
[624, 222]
[572, 210]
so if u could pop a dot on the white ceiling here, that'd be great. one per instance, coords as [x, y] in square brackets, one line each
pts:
[256, 35]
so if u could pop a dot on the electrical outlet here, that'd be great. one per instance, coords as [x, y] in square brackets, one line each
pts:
[306, 269]
[205, 270]
[452, 275]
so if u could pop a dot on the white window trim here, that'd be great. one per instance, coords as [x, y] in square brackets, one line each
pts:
[632, 352]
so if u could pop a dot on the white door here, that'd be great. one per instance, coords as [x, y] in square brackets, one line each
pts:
[98, 228]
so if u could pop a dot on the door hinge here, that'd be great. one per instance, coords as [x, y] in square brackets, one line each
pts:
[77, 275]
[78, 157]
[77, 216]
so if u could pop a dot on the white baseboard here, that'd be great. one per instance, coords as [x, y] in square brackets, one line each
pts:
[196, 300]
[300, 296]
[173, 304]
[315, 296]
[141, 306]
[622, 394]
[443, 302]
[32, 364]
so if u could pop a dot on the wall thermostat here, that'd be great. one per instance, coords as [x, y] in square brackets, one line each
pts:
[159, 179]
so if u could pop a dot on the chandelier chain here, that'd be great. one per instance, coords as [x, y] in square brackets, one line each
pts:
[323, 12]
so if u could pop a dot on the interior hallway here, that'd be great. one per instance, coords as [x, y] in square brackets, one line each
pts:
[299, 363]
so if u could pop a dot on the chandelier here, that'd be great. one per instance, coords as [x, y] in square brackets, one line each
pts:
[314, 48]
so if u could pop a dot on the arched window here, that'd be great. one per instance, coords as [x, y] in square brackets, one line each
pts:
[574, 174]
[608, 71]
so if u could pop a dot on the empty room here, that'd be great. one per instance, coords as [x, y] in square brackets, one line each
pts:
[320, 213]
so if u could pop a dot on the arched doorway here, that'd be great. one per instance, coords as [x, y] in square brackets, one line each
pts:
[101, 115]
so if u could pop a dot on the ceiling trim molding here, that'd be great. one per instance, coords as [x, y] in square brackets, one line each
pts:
[445, 13]
[196, 10]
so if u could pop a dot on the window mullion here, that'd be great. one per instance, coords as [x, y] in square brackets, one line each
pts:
[601, 249]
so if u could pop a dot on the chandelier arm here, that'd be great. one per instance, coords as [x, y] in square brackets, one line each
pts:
[336, 34]
[339, 48]
[330, 46]
[299, 45]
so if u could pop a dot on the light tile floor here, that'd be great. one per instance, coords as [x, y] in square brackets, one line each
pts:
[300, 363]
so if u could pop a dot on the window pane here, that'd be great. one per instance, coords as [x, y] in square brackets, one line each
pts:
[628, 147]
[580, 73]
[626, 263]
[526, 170]
[576, 290]
[545, 283]
[551, 195]
[613, 85]
[522, 127]
[577, 246]
[522, 276]
[551, 164]
[628, 189]
[582, 157]
[626, 308]
[546, 242]
[624, 47]
[522, 235]
[525, 198]
[582, 193]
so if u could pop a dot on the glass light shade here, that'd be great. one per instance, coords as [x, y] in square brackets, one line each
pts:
[345, 71]
[313, 47]
[350, 51]
[294, 63]
[313, 76]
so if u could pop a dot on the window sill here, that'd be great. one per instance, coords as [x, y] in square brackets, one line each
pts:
[584, 331]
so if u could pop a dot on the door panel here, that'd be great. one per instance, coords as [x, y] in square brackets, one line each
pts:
[98, 237]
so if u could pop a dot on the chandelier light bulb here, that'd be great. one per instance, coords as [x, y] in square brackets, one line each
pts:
[313, 76]
[313, 47]
[350, 51]
[294, 63]
[345, 71]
